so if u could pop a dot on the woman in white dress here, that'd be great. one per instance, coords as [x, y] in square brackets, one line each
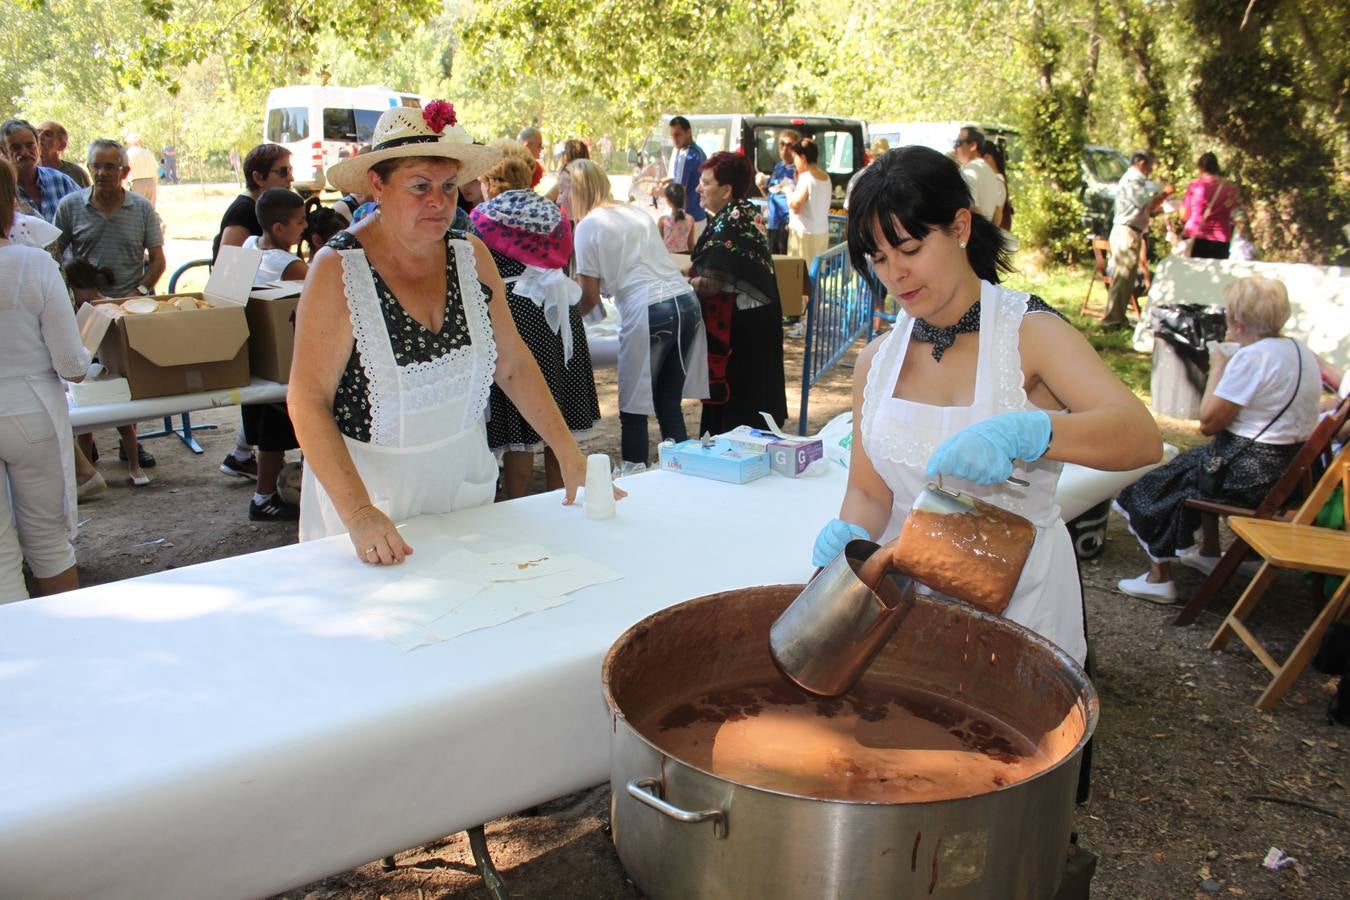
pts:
[401, 329]
[968, 384]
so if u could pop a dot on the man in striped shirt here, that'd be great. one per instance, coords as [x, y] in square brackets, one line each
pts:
[112, 227]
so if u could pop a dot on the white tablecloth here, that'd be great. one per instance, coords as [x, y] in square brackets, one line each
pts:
[105, 415]
[225, 730]
[1319, 296]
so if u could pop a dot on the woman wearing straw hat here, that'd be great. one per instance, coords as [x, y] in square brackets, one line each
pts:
[401, 329]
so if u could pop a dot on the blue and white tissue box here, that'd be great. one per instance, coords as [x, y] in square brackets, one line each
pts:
[718, 460]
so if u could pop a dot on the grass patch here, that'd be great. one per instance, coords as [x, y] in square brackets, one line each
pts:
[1063, 288]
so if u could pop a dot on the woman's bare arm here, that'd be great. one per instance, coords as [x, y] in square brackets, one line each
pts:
[1107, 427]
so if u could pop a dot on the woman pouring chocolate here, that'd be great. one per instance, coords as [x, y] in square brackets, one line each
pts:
[974, 384]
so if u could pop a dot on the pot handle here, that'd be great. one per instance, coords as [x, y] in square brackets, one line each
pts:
[647, 791]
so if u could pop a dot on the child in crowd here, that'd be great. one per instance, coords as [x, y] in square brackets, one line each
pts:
[321, 223]
[267, 426]
[281, 213]
[82, 277]
[677, 229]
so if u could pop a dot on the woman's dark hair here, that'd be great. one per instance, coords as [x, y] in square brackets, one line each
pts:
[260, 161]
[321, 223]
[732, 170]
[807, 150]
[994, 152]
[81, 273]
[9, 195]
[919, 189]
[675, 197]
[575, 149]
[1208, 163]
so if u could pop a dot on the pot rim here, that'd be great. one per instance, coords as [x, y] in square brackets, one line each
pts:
[1090, 700]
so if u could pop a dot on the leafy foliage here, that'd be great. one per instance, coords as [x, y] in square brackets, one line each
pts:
[1272, 98]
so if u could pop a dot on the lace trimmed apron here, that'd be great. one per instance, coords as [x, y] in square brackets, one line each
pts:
[428, 449]
[900, 435]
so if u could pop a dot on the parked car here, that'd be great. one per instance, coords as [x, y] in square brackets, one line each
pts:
[323, 124]
[1102, 169]
[842, 143]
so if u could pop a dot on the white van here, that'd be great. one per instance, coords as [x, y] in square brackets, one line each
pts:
[321, 125]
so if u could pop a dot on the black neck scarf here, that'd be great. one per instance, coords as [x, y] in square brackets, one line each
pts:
[942, 338]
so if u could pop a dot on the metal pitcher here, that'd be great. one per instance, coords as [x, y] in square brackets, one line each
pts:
[827, 637]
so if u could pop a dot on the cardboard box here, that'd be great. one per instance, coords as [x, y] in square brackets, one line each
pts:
[166, 353]
[793, 283]
[719, 461]
[271, 330]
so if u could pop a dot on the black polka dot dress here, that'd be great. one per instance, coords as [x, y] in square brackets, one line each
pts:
[572, 383]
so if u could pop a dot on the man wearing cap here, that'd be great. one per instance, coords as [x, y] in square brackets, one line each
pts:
[40, 188]
[52, 142]
[1137, 200]
[685, 162]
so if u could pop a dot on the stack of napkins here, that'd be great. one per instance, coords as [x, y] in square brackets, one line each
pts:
[98, 391]
[444, 590]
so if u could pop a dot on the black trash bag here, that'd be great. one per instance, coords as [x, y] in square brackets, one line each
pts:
[1186, 327]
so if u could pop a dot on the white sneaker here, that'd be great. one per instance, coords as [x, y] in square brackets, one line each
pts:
[1192, 559]
[1153, 592]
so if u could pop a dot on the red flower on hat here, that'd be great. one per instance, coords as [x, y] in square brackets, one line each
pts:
[438, 114]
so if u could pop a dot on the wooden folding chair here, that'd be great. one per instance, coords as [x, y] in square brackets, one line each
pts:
[1101, 252]
[1297, 544]
[1296, 482]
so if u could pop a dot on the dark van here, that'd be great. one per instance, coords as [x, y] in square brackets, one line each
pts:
[841, 141]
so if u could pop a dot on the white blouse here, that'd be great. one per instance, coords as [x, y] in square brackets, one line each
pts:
[815, 215]
[38, 335]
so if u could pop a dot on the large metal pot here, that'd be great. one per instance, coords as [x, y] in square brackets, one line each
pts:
[683, 832]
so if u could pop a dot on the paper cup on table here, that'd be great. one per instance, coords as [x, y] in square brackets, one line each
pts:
[599, 498]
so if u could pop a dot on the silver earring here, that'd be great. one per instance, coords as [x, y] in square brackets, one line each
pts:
[963, 245]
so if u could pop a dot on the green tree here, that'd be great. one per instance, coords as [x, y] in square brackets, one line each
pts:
[1250, 95]
[1053, 119]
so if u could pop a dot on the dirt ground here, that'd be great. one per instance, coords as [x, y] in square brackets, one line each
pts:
[1181, 759]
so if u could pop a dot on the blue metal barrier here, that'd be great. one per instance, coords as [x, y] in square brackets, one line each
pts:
[839, 313]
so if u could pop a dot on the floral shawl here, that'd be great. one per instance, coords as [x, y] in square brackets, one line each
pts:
[525, 227]
[733, 252]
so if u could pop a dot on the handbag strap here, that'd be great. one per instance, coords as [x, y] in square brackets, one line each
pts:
[1218, 192]
[1298, 382]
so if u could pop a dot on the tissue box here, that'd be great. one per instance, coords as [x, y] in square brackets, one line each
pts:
[720, 461]
[787, 455]
[791, 458]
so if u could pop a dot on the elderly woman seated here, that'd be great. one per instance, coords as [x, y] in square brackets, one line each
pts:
[1260, 404]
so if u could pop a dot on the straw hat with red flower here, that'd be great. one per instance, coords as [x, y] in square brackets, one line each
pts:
[407, 131]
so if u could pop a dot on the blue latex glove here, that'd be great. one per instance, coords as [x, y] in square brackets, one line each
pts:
[833, 538]
[983, 452]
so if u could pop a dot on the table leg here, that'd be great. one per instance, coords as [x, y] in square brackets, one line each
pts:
[491, 880]
[184, 434]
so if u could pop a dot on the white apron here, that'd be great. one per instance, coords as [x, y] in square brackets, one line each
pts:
[635, 353]
[428, 449]
[899, 436]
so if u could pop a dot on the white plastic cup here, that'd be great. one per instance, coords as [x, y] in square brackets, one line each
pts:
[599, 498]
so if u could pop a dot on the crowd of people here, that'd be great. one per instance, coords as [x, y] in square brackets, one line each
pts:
[441, 346]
